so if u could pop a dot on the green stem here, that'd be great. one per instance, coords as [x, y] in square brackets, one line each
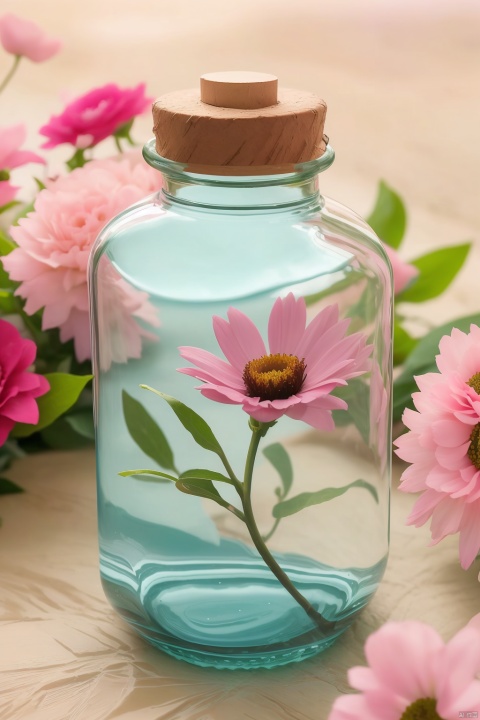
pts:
[117, 143]
[237, 484]
[10, 73]
[258, 431]
[274, 527]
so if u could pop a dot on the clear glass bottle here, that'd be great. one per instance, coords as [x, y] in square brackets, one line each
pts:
[210, 570]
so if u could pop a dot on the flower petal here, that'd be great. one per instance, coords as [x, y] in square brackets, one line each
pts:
[239, 339]
[286, 325]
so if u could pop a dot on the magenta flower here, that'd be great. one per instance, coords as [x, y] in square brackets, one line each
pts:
[18, 386]
[11, 138]
[54, 244]
[295, 378]
[25, 38]
[413, 674]
[95, 116]
[443, 445]
[403, 273]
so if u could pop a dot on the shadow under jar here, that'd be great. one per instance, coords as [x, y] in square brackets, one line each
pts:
[250, 524]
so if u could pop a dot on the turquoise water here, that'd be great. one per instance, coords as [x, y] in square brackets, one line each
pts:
[224, 608]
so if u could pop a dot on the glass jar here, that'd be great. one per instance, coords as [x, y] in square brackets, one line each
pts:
[260, 528]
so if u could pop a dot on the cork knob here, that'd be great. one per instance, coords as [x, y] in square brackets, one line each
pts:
[242, 90]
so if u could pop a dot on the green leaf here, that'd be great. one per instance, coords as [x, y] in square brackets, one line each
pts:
[203, 487]
[146, 433]
[61, 436]
[357, 396]
[280, 459]
[389, 216]
[205, 475]
[427, 348]
[300, 502]
[6, 245]
[351, 278]
[403, 343]
[7, 487]
[151, 475]
[437, 269]
[191, 421]
[63, 394]
[9, 206]
[82, 423]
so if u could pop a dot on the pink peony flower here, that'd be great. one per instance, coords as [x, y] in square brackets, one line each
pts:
[11, 138]
[18, 386]
[403, 273]
[27, 39]
[296, 378]
[443, 445]
[413, 674]
[55, 240]
[95, 116]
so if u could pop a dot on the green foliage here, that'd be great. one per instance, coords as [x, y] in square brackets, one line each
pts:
[403, 343]
[63, 394]
[146, 433]
[389, 216]
[307, 499]
[205, 475]
[437, 269]
[357, 396]
[7, 487]
[280, 459]
[149, 475]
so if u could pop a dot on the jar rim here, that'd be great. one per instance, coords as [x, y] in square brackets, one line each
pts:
[183, 173]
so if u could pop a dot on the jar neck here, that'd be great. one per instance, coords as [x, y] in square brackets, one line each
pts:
[257, 192]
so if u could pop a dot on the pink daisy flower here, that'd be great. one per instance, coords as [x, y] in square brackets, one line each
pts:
[443, 445]
[295, 378]
[413, 674]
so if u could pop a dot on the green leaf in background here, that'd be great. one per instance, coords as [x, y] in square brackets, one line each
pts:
[403, 387]
[6, 245]
[63, 394]
[9, 206]
[357, 396]
[61, 436]
[389, 216]
[437, 270]
[191, 421]
[300, 502]
[204, 475]
[403, 343]
[427, 348]
[82, 423]
[7, 487]
[146, 433]
[150, 475]
[280, 459]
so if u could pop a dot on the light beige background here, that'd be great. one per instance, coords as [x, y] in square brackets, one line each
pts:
[401, 80]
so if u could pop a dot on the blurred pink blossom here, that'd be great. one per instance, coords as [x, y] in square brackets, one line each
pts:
[11, 138]
[443, 445]
[25, 38]
[55, 241]
[413, 673]
[18, 386]
[95, 116]
[403, 273]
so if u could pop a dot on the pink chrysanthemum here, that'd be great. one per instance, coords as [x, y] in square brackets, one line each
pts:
[295, 378]
[11, 139]
[95, 116]
[18, 386]
[413, 674]
[443, 445]
[55, 241]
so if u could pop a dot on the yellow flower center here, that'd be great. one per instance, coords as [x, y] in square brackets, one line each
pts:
[473, 451]
[423, 709]
[474, 382]
[274, 377]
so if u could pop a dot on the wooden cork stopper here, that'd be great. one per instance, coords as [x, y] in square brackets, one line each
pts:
[239, 124]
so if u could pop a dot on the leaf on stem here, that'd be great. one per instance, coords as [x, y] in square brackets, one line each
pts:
[203, 487]
[146, 433]
[304, 500]
[389, 216]
[7, 487]
[205, 475]
[437, 270]
[149, 475]
[280, 459]
[191, 421]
